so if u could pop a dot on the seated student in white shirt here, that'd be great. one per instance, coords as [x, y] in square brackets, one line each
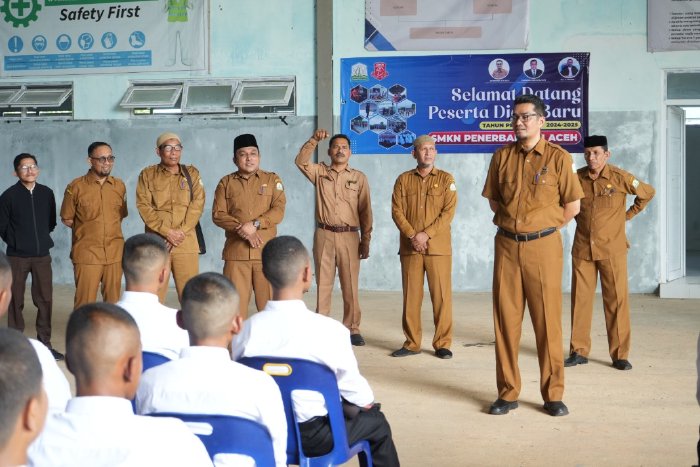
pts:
[146, 263]
[99, 428]
[205, 380]
[23, 403]
[286, 328]
[55, 382]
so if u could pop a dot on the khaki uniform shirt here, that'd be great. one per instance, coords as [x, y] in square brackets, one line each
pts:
[342, 198]
[424, 204]
[97, 211]
[600, 226]
[531, 188]
[238, 200]
[163, 200]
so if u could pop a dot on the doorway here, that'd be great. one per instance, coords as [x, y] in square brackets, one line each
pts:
[680, 174]
[692, 191]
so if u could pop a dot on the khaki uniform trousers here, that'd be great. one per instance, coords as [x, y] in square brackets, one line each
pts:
[438, 269]
[248, 277]
[613, 281]
[528, 272]
[183, 266]
[341, 250]
[88, 278]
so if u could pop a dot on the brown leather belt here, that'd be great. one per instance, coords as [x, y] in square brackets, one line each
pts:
[338, 228]
[526, 237]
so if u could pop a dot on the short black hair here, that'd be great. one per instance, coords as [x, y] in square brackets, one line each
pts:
[19, 158]
[20, 379]
[96, 145]
[209, 302]
[140, 252]
[84, 325]
[531, 99]
[283, 258]
[339, 135]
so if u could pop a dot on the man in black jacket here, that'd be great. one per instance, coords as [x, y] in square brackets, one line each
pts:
[27, 217]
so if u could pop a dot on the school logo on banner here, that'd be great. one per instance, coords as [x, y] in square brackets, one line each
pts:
[465, 102]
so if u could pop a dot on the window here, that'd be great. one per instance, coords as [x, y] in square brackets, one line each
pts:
[208, 97]
[157, 95]
[263, 93]
[36, 100]
[230, 97]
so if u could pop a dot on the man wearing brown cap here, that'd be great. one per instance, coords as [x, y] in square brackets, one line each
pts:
[93, 207]
[248, 205]
[533, 191]
[422, 206]
[600, 247]
[170, 199]
[344, 226]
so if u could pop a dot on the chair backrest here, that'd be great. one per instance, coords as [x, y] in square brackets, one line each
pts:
[223, 434]
[151, 359]
[293, 374]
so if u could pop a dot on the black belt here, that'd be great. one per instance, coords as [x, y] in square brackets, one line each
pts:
[314, 423]
[338, 228]
[526, 237]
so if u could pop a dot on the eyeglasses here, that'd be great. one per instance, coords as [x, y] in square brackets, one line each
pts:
[170, 147]
[27, 168]
[103, 160]
[524, 117]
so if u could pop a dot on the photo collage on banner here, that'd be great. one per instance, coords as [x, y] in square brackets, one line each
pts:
[464, 101]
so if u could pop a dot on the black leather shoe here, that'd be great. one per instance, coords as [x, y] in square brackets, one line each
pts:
[59, 356]
[575, 359]
[622, 365]
[356, 339]
[556, 408]
[502, 407]
[443, 353]
[403, 352]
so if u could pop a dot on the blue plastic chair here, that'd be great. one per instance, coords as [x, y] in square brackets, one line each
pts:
[151, 359]
[292, 374]
[223, 434]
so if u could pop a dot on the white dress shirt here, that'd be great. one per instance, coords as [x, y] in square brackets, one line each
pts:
[103, 431]
[55, 382]
[157, 324]
[206, 381]
[286, 328]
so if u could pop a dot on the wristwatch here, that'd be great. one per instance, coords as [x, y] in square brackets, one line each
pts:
[256, 224]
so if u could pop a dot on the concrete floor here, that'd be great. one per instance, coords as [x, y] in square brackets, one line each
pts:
[437, 408]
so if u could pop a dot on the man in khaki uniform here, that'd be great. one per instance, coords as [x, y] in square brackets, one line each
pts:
[533, 191]
[171, 209]
[600, 246]
[343, 208]
[93, 207]
[248, 205]
[422, 206]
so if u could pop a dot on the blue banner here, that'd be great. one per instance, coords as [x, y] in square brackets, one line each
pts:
[464, 101]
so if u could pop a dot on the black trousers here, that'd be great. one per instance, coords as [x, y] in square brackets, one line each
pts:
[371, 425]
[42, 294]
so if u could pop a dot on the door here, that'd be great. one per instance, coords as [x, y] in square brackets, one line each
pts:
[675, 193]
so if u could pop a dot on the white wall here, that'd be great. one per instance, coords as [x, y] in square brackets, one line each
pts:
[276, 37]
